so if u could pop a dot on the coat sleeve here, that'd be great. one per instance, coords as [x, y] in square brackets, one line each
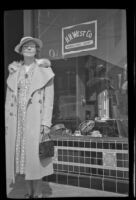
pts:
[48, 104]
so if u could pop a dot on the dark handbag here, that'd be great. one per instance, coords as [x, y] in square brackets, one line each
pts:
[46, 149]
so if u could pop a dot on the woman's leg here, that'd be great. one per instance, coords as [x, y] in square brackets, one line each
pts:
[37, 188]
[29, 186]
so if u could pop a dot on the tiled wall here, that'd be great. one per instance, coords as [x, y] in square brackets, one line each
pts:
[91, 162]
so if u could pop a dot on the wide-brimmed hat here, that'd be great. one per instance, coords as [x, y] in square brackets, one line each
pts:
[27, 39]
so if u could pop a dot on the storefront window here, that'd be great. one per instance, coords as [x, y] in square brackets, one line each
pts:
[88, 52]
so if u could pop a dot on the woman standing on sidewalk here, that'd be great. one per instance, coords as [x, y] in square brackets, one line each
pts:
[28, 112]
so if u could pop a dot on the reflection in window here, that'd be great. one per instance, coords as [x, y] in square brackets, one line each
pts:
[93, 84]
[103, 105]
[94, 91]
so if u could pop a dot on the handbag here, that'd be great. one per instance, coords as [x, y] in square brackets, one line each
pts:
[46, 149]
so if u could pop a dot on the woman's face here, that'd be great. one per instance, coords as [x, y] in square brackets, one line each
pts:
[29, 49]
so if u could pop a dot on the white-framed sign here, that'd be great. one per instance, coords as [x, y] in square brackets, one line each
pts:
[80, 37]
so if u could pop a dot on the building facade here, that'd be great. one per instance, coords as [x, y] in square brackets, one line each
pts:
[88, 52]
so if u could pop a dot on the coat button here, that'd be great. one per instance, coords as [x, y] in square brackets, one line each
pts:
[40, 101]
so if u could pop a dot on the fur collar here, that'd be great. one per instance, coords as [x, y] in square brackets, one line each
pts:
[43, 62]
[14, 66]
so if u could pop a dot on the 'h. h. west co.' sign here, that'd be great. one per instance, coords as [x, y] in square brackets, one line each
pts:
[80, 37]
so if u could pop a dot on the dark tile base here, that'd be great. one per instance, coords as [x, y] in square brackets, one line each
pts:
[96, 183]
[50, 178]
[73, 180]
[84, 181]
[122, 187]
[62, 178]
[109, 185]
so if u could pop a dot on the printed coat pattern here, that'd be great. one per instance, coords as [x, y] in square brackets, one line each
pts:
[38, 112]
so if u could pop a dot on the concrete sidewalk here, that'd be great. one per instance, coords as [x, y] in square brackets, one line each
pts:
[18, 190]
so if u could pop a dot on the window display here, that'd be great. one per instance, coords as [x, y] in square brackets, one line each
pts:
[93, 93]
[90, 81]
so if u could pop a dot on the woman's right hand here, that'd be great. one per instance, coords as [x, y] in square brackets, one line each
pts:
[13, 66]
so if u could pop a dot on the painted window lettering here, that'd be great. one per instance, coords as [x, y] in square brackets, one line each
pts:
[82, 33]
[76, 34]
[79, 37]
[67, 40]
[89, 34]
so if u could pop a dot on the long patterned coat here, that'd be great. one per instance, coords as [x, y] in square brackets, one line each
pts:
[38, 112]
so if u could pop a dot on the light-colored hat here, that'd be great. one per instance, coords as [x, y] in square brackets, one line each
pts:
[27, 39]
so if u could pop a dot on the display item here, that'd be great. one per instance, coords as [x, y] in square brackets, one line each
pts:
[86, 126]
[58, 129]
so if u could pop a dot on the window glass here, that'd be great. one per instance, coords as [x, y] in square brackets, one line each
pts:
[90, 84]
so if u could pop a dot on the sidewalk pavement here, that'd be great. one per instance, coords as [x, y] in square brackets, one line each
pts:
[18, 190]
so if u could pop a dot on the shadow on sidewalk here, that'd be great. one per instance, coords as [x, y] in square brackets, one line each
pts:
[18, 189]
